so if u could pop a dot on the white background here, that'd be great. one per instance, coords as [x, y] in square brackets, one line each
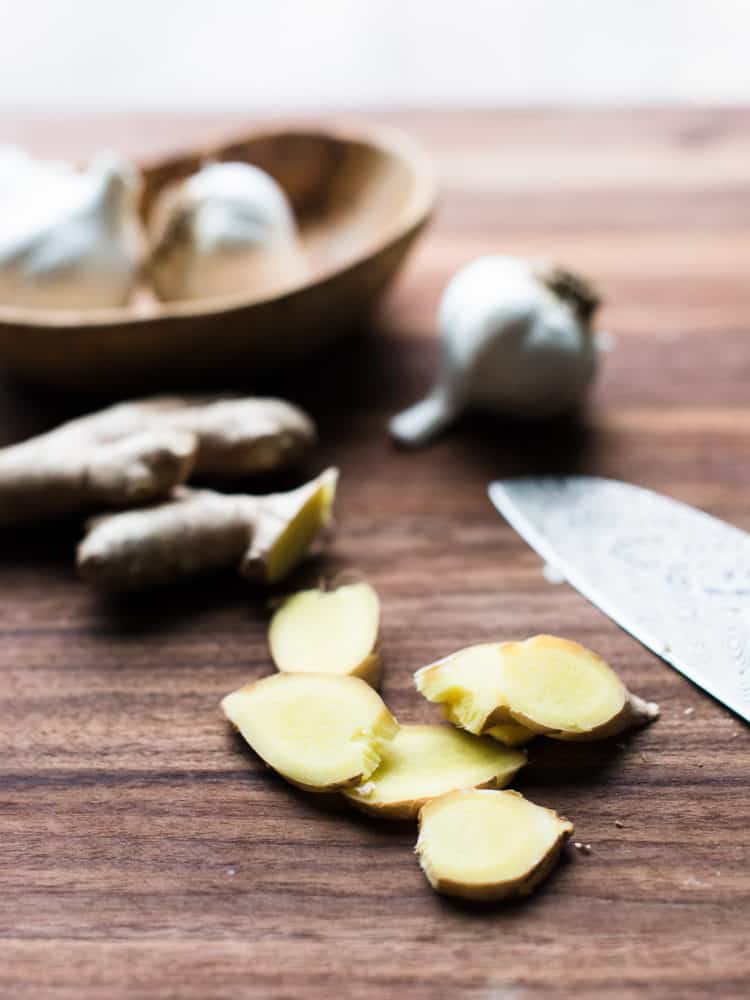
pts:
[107, 55]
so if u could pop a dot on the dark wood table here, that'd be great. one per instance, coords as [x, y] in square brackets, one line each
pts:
[145, 853]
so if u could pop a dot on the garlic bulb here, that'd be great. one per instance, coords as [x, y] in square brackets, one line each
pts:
[226, 229]
[18, 172]
[15, 164]
[69, 239]
[516, 339]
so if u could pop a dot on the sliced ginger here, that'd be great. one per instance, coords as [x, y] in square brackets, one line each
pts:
[467, 684]
[512, 734]
[319, 731]
[422, 762]
[561, 688]
[546, 684]
[330, 632]
[486, 844]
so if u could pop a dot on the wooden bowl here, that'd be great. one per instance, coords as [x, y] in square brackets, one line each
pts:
[360, 201]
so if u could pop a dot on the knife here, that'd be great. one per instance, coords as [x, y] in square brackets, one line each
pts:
[674, 577]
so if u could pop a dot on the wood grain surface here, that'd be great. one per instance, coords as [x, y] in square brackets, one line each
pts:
[145, 853]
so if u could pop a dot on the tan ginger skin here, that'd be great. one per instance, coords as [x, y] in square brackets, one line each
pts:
[136, 452]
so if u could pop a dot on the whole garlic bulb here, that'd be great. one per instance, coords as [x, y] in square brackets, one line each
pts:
[15, 165]
[226, 229]
[69, 239]
[24, 182]
[516, 339]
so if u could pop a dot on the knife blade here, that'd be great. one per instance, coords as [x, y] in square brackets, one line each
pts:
[674, 577]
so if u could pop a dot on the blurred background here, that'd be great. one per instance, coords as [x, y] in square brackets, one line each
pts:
[262, 55]
[610, 136]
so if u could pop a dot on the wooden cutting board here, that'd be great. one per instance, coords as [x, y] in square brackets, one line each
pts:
[145, 853]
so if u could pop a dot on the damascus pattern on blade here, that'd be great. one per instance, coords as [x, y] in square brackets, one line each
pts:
[674, 577]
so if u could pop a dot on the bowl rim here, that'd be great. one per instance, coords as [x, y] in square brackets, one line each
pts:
[414, 215]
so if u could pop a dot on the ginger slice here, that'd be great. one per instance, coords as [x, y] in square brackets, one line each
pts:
[511, 734]
[486, 844]
[422, 762]
[201, 531]
[560, 688]
[319, 731]
[546, 684]
[328, 632]
[467, 684]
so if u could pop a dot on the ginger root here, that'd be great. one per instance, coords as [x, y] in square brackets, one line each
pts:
[319, 731]
[422, 762]
[485, 844]
[546, 684]
[200, 531]
[328, 632]
[134, 453]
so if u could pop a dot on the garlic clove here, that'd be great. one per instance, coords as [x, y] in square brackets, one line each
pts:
[516, 339]
[227, 229]
[69, 239]
[419, 423]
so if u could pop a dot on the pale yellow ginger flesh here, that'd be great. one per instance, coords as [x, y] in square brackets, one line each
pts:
[486, 844]
[546, 684]
[422, 762]
[319, 731]
[285, 525]
[328, 632]
[512, 734]
[134, 453]
[468, 685]
[200, 531]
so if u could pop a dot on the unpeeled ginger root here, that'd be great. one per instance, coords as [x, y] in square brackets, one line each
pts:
[548, 685]
[486, 844]
[330, 632]
[134, 453]
[319, 731]
[422, 762]
[200, 531]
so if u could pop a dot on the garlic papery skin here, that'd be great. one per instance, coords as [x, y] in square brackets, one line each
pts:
[226, 230]
[516, 339]
[69, 239]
